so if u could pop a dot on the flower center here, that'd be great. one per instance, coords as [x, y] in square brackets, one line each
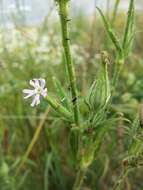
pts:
[39, 90]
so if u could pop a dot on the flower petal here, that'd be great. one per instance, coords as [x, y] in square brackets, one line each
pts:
[44, 92]
[36, 100]
[29, 93]
[34, 83]
[42, 82]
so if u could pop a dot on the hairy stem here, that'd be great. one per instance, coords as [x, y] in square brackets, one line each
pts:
[66, 45]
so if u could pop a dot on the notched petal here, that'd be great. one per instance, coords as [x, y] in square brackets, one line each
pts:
[42, 82]
[36, 100]
[27, 91]
[44, 92]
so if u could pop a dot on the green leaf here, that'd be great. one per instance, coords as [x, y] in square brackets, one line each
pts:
[129, 28]
[110, 32]
[61, 93]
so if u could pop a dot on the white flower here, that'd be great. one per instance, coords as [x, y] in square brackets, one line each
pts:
[38, 91]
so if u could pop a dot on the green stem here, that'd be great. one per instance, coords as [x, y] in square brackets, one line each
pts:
[117, 70]
[79, 179]
[66, 45]
[58, 107]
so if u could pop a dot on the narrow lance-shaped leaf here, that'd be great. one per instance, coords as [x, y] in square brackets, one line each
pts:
[110, 32]
[90, 93]
[129, 28]
[61, 93]
[58, 107]
[136, 144]
[115, 11]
